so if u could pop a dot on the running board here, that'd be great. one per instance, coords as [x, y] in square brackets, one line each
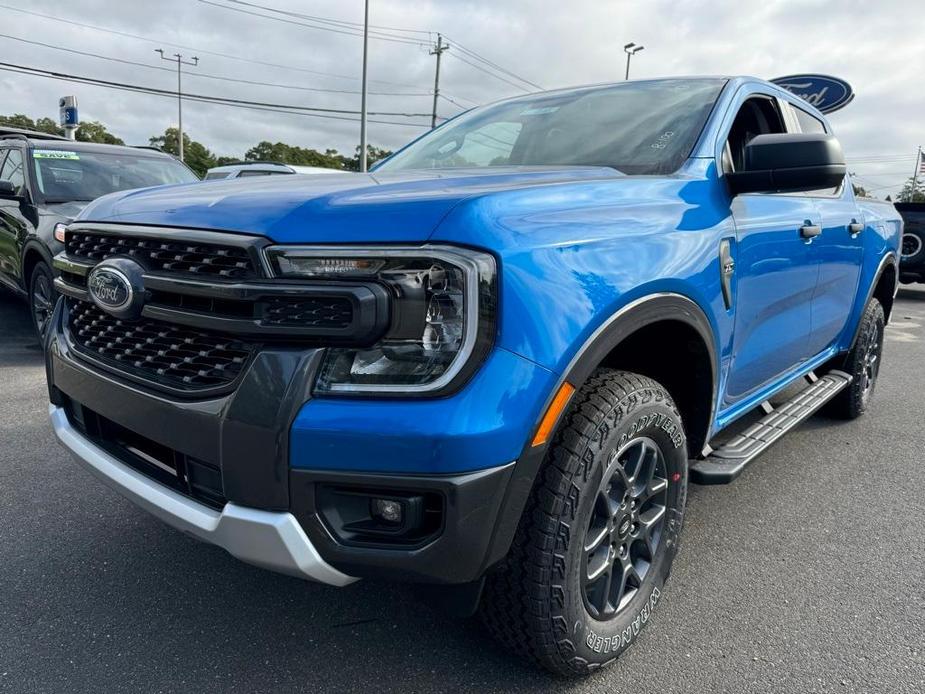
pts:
[726, 463]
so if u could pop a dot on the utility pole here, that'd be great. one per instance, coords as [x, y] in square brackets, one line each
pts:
[437, 51]
[630, 49]
[363, 166]
[178, 59]
[915, 174]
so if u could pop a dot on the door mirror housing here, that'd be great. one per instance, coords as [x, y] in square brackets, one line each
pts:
[791, 162]
[8, 191]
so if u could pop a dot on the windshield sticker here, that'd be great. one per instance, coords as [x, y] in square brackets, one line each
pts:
[54, 154]
[539, 111]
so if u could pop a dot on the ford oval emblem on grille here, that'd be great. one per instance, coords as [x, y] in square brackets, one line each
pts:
[115, 286]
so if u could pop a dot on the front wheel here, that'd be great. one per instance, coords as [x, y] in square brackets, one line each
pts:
[596, 543]
[42, 298]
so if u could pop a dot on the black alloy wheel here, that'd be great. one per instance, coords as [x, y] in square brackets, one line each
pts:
[42, 298]
[625, 528]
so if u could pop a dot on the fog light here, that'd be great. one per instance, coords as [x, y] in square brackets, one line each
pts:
[387, 510]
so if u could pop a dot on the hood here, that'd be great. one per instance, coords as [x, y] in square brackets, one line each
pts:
[404, 206]
[67, 211]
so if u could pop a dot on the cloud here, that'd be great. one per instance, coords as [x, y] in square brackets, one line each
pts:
[876, 47]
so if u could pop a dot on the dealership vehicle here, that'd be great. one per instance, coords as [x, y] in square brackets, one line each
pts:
[245, 169]
[912, 260]
[494, 363]
[45, 180]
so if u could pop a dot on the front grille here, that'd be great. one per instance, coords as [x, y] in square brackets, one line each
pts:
[165, 255]
[322, 312]
[173, 356]
[189, 476]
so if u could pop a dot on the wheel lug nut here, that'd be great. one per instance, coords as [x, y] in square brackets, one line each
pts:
[622, 550]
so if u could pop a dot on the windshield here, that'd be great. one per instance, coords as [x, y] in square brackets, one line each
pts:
[68, 176]
[635, 127]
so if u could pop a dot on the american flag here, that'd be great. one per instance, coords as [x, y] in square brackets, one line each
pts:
[921, 162]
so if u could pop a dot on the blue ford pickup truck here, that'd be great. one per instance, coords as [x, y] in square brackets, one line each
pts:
[492, 365]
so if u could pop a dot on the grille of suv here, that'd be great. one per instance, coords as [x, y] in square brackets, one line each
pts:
[206, 260]
[174, 356]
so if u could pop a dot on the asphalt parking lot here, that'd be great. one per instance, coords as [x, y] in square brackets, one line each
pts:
[806, 575]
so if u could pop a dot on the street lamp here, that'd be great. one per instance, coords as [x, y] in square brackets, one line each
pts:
[630, 49]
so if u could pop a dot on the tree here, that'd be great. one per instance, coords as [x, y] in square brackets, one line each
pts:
[91, 131]
[373, 154]
[918, 195]
[94, 131]
[195, 154]
[291, 154]
[19, 120]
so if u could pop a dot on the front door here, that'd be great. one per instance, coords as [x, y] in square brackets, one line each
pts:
[774, 268]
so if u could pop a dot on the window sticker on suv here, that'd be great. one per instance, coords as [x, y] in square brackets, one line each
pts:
[54, 154]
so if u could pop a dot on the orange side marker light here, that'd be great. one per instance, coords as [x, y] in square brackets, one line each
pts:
[559, 402]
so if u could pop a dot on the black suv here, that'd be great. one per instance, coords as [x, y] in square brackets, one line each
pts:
[912, 264]
[45, 181]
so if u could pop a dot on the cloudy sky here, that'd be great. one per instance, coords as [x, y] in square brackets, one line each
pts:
[315, 62]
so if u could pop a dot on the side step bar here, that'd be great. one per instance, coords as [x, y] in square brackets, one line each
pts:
[726, 463]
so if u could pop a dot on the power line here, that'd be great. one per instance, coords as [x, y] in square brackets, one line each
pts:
[382, 36]
[486, 71]
[336, 114]
[206, 75]
[203, 51]
[485, 60]
[328, 20]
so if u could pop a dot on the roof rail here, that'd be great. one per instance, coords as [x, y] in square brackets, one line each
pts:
[259, 161]
[21, 133]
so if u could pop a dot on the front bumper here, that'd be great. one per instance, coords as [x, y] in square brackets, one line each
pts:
[271, 540]
[273, 450]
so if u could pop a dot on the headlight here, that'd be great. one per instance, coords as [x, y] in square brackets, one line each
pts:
[442, 303]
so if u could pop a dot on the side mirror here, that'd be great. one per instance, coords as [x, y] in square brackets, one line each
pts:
[7, 191]
[790, 162]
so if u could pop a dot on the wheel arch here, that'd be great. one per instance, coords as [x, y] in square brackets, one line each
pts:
[883, 288]
[34, 252]
[618, 343]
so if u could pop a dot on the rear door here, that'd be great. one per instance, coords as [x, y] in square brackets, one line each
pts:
[774, 268]
[838, 251]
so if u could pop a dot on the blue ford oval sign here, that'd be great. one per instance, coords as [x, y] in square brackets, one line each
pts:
[822, 91]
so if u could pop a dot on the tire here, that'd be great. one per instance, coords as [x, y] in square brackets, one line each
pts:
[541, 602]
[863, 364]
[42, 298]
[913, 248]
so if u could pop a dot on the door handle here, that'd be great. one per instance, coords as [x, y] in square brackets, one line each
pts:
[809, 231]
[855, 228]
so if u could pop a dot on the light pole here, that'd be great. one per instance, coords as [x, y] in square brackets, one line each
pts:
[178, 59]
[630, 49]
[363, 98]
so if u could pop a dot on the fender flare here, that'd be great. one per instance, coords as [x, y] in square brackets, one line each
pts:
[888, 260]
[635, 315]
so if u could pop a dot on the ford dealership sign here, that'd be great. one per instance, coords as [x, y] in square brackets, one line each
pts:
[822, 91]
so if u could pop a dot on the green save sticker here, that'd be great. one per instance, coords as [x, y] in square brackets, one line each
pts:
[54, 154]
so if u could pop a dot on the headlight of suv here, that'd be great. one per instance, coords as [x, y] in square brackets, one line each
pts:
[442, 305]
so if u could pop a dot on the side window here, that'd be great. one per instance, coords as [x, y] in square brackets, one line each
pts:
[757, 116]
[808, 122]
[12, 170]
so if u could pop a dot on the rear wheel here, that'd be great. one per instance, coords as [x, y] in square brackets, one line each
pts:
[42, 298]
[863, 364]
[598, 537]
